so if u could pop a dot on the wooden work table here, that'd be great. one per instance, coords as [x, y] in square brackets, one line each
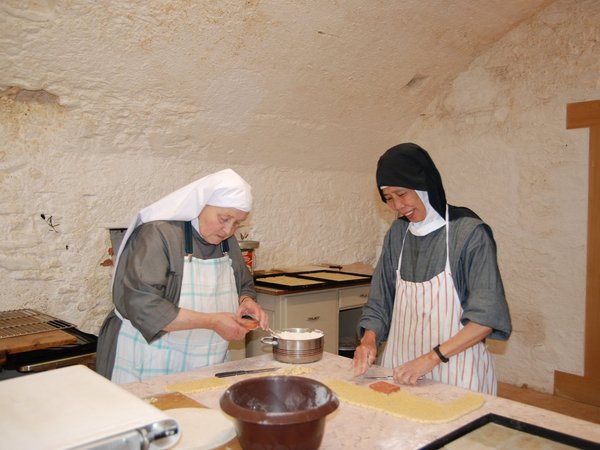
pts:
[355, 427]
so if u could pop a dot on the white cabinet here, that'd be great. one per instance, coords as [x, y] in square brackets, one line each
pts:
[319, 309]
[353, 297]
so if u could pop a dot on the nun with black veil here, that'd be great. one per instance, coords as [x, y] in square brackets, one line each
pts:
[436, 293]
[180, 286]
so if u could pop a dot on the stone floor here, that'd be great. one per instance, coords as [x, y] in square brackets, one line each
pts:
[564, 406]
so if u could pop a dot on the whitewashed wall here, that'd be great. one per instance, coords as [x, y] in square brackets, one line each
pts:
[105, 107]
[499, 135]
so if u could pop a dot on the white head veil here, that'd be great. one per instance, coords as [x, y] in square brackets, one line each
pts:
[225, 189]
[432, 220]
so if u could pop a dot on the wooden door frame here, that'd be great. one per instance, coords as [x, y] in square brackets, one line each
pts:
[586, 388]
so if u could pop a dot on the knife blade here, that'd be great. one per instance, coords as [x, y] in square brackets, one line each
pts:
[386, 377]
[379, 377]
[233, 373]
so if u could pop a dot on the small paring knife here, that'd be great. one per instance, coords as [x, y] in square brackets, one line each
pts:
[233, 373]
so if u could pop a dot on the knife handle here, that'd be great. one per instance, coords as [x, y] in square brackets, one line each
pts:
[233, 373]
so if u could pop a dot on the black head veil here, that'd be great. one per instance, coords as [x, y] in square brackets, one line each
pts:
[409, 166]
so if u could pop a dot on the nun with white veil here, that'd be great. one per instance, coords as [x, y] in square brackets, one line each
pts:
[180, 286]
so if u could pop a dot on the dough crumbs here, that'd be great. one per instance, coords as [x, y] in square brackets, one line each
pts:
[405, 405]
[295, 370]
[199, 385]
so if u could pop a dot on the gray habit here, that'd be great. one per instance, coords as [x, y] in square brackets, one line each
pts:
[147, 283]
[474, 270]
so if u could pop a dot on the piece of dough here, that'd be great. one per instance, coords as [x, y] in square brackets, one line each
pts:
[210, 383]
[403, 404]
[199, 385]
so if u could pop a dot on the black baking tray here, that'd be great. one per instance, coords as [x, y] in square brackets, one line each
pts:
[86, 344]
[309, 276]
[518, 426]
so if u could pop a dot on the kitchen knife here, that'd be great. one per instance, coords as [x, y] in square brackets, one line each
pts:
[385, 377]
[379, 377]
[233, 373]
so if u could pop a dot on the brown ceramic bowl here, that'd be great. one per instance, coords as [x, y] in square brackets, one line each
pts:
[279, 412]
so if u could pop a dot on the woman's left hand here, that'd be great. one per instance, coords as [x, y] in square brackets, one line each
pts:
[249, 307]
[412, 371]
[469, 335]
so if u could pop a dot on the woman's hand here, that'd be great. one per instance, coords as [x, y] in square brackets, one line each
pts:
[249, 307]
[228, 326]
[471, 334]
[412, 371]
[365, 354]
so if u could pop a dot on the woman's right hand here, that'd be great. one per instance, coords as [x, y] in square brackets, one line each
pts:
[229, 326]
[365, 354]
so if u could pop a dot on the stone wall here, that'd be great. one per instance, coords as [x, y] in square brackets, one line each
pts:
[499, 135]
[106, 107]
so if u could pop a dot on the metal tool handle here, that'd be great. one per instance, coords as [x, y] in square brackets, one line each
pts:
[271, 340]
[233, 373]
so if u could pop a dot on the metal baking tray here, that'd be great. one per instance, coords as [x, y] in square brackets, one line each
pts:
[313, 279]
[515, 431]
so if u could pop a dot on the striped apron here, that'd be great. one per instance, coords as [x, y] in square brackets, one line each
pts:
[208, 286]
[427, 314]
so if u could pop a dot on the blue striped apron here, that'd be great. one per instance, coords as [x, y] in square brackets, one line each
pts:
[208, 286]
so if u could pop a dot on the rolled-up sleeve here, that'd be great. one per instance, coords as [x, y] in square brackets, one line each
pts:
[377, 312]
[243, 276]
[484, 300]
[146, 282]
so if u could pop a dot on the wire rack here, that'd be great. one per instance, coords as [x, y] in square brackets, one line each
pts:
[21, 322]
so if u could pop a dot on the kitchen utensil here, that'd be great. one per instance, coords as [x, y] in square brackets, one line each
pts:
[286, 412]
[384, 377]
[296, 351]
[243, 372]
[379, 377]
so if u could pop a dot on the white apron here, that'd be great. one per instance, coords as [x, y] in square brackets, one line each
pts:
[208, 286]
[427, 314]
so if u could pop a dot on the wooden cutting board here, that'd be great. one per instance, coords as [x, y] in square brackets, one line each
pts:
[172, 400]
[36, 341]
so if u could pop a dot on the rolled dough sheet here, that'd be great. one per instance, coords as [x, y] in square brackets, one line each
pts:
[210, 383]
[199, 385]
[406, 405]
[333, 276]
[288, 281]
